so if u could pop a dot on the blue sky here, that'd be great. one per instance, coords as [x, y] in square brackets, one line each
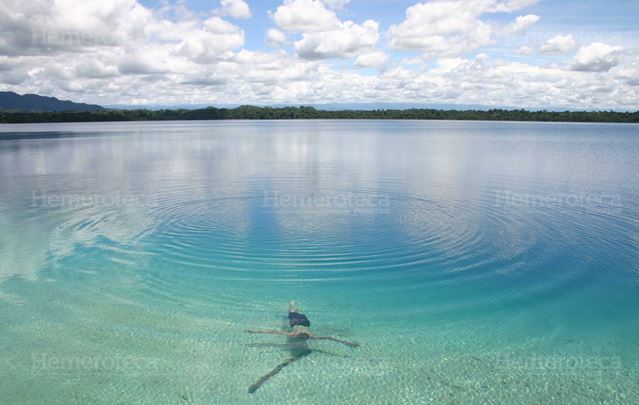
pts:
[596, 18]
[518, 53]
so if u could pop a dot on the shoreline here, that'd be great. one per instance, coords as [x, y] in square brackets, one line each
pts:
[252, 113]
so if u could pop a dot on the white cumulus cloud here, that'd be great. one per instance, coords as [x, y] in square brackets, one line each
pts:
[558, 44]
[507, 6]
[597, 57]
[323, 34]
[305, 16]
[452, 27]
[348, 39]
[523, 23]
[629, 73]
[440, 27]
[525, 50]
[275, 38]
[236, 8]
[215, 39]
[371, 59]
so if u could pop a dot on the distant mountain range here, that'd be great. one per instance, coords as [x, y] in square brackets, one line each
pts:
[360, 106]
[13, 102]
[319, 106]
[32, 102]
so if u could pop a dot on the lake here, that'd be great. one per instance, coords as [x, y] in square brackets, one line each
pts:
[474, 262]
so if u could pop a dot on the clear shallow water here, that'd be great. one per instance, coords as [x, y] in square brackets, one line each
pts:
[474, 262]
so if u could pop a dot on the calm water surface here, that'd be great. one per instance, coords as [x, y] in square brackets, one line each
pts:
[473, 262]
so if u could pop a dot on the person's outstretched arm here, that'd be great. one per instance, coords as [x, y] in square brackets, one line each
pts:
[344, 342]
[270, 332]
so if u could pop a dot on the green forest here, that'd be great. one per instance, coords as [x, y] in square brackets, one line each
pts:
[281, 113]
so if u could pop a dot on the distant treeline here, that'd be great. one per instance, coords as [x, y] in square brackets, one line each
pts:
[271, 113]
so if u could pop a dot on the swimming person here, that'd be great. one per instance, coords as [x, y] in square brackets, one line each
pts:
[295, 317]
[296, 342]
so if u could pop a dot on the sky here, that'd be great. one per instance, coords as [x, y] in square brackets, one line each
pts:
[504, 53]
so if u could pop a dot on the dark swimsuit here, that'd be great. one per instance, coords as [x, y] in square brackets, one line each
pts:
[296, 318]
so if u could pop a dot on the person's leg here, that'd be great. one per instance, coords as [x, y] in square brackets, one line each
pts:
[276, 370]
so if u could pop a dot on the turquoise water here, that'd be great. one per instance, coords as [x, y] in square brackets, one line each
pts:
[473, 262]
